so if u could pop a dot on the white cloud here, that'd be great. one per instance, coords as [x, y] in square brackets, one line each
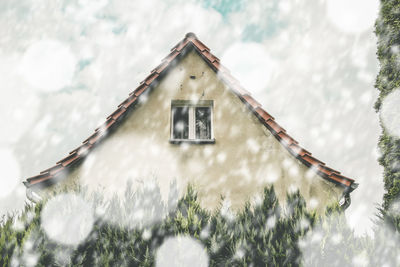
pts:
[181, 251]
[10, 172]
[352, 16]
[48, 65]
[19, 104]
[390, 113]
[67, 219]
[248, 62]
[84, 11]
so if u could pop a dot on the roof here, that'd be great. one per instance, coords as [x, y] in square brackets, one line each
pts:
[190, 42]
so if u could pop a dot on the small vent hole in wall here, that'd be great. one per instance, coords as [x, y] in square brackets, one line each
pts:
[192, 77]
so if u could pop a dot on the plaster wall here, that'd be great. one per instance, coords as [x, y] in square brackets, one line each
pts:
[245, 157]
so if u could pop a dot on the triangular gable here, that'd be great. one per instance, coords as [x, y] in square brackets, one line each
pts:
[57, 172]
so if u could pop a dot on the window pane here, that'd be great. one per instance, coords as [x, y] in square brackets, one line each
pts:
[203, 123]
[181, 123]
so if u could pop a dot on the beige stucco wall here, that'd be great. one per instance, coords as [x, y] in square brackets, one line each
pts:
[244, 159]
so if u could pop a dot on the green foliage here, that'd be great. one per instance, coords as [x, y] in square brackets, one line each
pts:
[265, 233]
[388, 32]
[332, 243]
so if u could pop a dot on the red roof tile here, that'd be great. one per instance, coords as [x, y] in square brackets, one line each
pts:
[171, 56]
[232, 81]
[210, 56]
[326, 170]
[286, 139]
[330, 169]
[140, 89]
[298, 150]
[118, 113]
[82, 149]
[341, 179]
[191, 40]
[180, 45]
[127, 102]
[39, 178]
[69, 159]
[275, 126]
[53, 170]
[202, 47]
[221, 68]
[240, 90]
[313, 161]
[94, 138]
[251, 101]
[263, 114]
[160, 67]
[107, 124]
[150, 78]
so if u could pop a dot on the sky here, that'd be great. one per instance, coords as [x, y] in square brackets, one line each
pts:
[66, 65]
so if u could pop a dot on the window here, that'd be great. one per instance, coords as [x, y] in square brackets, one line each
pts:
[191, 121]
[181, 122]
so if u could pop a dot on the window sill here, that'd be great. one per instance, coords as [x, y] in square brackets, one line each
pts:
[192, 141]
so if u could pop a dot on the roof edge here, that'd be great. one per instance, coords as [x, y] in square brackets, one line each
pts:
[265, 118]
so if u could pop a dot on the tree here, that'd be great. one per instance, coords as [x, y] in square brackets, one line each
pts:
[387, 29]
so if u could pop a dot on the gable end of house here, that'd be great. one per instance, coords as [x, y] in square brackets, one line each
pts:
[190, 43]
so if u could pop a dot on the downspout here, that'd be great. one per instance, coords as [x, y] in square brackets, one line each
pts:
[345, 200]
[32, 195]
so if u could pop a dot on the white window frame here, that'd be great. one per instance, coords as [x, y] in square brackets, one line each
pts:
[192, 105]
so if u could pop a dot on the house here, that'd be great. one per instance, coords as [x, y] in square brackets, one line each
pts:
[190, 120]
